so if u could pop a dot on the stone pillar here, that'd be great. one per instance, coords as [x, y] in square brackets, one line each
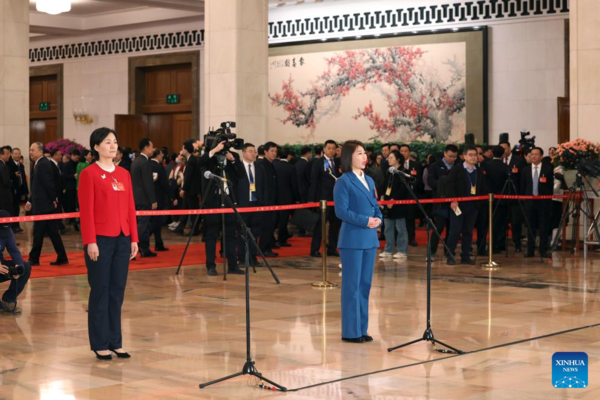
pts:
[585, 69]
[14, 74]
[236, 66]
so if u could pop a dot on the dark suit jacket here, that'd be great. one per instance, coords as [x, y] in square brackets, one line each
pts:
[321, 181]
[302, 178]
[287, 184]
[43, 189]
[496, 174]
[141, 178]
[516, 166]
[544, 188]
[456, 183]
[5, 188]
[125, 163]
[242, 185]
[19, 184]
[58, 181]
[271, 192]
[161, 185]
[437, 170]
[211, 164]
[69, 170]
[192, 177]
[415, 170]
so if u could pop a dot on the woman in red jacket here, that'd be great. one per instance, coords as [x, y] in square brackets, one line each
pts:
[109, 232]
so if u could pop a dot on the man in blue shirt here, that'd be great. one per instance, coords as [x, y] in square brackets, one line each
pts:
[17, 283]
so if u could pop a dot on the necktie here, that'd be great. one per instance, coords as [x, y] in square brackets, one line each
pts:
[251, 179]
[506, 161]
[332, 165]
[536, 179]
[406, 165]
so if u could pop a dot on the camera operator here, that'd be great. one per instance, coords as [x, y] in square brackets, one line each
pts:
[215, 161]
[16, 265]
[515, 166]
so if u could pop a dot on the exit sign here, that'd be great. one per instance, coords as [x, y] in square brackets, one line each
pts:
[44, 106]
[173, 99]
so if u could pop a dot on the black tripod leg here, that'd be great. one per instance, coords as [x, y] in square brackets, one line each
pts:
[434, 341]
[187, 245]
[404, 345]
[278, 386]
[203, 385]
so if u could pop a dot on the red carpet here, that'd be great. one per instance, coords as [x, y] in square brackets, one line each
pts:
[195, 255]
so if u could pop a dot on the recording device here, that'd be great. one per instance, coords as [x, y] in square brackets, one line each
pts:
[213, 138]
[585, 165]
[14, 270]
[403, 174]
[470, 139]
[210, 175]
[526, 143]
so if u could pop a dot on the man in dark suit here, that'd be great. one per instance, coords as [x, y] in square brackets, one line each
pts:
[496, 175]
[515, 166]
[412, 168]
[59, 183]
[163, 198]
[464, 180]
[267, 242]
[19, 185]
[70, 178]
[302, 175]
[251, 191]
[6, 201]
[537, 179]
[192, 183]
[324, 174]
[386, 149]
[44, 200]
[437, 171]
[287, 185]
[143, 194]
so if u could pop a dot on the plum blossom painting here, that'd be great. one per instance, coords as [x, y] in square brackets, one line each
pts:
[397, 93]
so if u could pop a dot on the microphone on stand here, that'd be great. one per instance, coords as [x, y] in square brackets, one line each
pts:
[210, 175]
[403, 174]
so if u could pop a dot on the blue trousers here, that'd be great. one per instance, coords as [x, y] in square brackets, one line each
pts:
[357, 275]
[107, 278]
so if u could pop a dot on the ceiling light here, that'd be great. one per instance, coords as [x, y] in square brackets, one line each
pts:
[53, 7]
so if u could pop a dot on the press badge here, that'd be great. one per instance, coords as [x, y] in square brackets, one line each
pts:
[253, 187]
[543, 179]
[388, 191]
[118, 186]
[515, 170]
[473, 190]
[413, 172]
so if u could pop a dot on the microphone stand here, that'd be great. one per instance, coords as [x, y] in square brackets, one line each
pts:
[428, 334]
[249, 366]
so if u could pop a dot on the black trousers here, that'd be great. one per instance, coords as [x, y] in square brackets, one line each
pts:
[156, 225]
[143, 225]
[71, 202]
[107, 278]
[500, 221]
[284, 219]
[461, 227]
[212, 227]
[441, 223]
[334, 230]
[254, 222]
[483, 219]
[189, 203]
[269, 222]
[40, 228]
[16, 210]
[516, 222]
[539, 220]
[16, 285]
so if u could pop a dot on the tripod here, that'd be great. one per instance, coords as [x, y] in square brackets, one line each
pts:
[248, 368]
[578, 189]
[428, 334]
[508, 185]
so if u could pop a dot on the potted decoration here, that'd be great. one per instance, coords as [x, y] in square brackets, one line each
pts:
[572, 154]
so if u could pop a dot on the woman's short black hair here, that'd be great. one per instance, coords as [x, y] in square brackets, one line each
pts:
[97, 137]
[348, 150]
[398, 156]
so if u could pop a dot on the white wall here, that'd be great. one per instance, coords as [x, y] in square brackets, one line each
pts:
[526, 76]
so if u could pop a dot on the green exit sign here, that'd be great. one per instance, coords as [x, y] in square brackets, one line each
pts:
[172, 99]
[44, 106]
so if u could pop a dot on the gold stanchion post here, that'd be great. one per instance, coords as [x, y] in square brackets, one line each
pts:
[324, 284]
[491, 264]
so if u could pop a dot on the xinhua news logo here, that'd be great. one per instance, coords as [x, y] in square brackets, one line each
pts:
[570, 370]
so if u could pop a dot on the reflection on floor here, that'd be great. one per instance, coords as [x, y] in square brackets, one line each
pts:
[187, 329]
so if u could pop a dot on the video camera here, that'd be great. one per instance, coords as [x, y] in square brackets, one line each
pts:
[14, 270]
[585, 165]
[526, 143]
[213, 138]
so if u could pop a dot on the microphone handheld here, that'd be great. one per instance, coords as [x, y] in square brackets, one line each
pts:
[210, 175]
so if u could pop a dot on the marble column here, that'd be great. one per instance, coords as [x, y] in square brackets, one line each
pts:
[14, 74]
[585, 69]
[236, 66]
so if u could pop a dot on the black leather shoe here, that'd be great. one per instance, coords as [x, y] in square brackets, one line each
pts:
[34, 263]
[546, 255]
[120, 355]
[285, 245]
[333, 253]
[148, 254]
[65, 262]
[368, 338]
[236, 271]
[276, 246]
[450, 261]
[354, 340]
[529, 255]
[162, 248]
[212, 272]
[270, 254]
[101, 357]
[518, 249]
[467, 261]
[316, 254]
[414, 243]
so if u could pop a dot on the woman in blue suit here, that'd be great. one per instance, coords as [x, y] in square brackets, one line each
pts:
[356, 205]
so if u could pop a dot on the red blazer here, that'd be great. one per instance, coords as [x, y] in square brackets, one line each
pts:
[103, 210]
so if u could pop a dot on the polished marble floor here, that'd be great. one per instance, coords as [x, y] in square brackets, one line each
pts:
[187, 329]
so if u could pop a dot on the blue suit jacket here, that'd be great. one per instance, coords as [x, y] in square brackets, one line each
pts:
[354, 204]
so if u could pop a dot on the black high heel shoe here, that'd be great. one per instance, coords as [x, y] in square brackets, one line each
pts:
[101, 357]
[121, 355]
